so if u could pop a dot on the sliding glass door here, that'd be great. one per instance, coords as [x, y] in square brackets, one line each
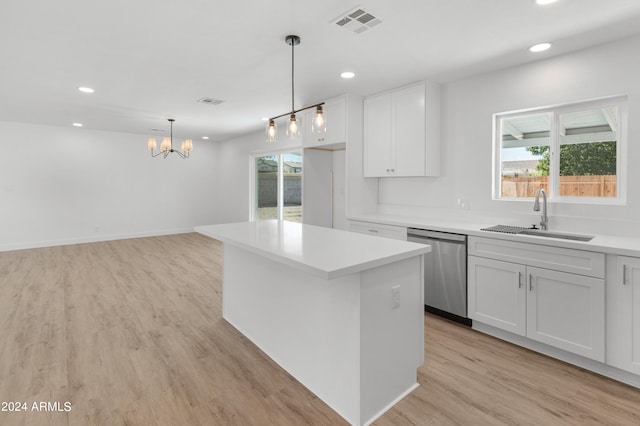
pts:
[278, 186]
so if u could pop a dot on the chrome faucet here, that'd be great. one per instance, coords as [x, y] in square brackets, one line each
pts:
[544, 219]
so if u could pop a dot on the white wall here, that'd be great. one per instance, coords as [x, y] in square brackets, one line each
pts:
[66, 185]
[467, 109]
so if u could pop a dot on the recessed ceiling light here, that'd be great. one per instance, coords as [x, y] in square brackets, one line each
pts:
[546, 1]
[77, 124]
[205, 137]
[347, 74]
[86, 89]
[540, 47]
[265, 119]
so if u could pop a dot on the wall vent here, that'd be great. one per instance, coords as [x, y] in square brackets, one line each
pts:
[357, 21]
[210, 101]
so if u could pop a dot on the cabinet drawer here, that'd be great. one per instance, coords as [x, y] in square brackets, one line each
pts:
[557, 258]
[387, 231]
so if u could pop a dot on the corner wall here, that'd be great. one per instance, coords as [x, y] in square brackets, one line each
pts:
[67, 185]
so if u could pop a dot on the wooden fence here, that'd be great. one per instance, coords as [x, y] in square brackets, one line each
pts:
[570, 186]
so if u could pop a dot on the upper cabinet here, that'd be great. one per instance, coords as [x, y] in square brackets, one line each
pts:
[402, 132]
[335, 113]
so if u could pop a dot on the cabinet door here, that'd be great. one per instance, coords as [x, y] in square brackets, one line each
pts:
[335, 112]
[409, 131]
[377, 136]
[566, 311]
[628, 313]
[497, 294]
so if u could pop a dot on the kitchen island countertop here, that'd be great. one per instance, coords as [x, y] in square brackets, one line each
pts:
[323, 252]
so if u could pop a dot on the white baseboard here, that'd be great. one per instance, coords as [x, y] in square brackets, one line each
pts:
[91, 239]
[391, 404]
[568, 357]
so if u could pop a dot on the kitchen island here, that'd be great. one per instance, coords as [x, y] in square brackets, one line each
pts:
[341, 312]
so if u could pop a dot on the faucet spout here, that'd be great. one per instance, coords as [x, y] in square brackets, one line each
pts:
[544, 219]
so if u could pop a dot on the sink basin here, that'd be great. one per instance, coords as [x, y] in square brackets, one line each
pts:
[549, 234]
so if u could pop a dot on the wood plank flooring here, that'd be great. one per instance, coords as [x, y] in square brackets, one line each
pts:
[130, 332]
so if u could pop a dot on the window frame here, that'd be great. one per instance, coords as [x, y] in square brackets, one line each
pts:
[253, 156]
[618, 101]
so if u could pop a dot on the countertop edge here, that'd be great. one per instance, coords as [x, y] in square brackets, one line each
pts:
[624, 246]
[317, 272]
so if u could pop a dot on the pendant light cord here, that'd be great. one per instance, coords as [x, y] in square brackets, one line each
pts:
[292, 75]
[171, 134]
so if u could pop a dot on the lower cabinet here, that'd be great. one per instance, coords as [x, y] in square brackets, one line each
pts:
[561, 309]
[625, 353]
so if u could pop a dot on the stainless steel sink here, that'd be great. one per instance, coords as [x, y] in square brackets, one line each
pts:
[549, 234]
[519, 230]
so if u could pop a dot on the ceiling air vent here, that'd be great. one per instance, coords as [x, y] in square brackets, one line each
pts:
[357, 21]
[210, 101]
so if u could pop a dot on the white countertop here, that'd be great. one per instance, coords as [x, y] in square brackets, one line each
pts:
[625, 246]
[323, 252]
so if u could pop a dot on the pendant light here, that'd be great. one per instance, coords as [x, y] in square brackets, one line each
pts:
[166, 147]
[293, 130]
[318, 124]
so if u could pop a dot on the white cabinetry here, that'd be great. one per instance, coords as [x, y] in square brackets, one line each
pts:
[335, 113]
[548, 294]
[377, 229]
[401, 132]
[625, 344]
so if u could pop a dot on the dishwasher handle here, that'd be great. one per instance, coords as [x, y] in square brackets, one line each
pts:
[436, 235]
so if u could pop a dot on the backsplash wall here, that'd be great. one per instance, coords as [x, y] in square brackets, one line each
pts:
[467, 109]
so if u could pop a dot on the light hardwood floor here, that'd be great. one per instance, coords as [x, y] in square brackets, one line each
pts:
[130, 333]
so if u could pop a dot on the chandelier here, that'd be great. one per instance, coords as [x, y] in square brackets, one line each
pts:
[318, 125]
[166, 147]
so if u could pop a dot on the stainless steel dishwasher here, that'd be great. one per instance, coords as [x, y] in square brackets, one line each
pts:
[445, 273]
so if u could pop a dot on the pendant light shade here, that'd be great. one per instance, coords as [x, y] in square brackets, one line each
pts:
[319, 125]
[293, 130]
[272, 131]
[293, 125]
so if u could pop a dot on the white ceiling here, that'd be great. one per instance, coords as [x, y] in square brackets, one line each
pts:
[149, 60]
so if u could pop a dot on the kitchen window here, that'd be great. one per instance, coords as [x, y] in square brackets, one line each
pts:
[277, 186]
[576, 152]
